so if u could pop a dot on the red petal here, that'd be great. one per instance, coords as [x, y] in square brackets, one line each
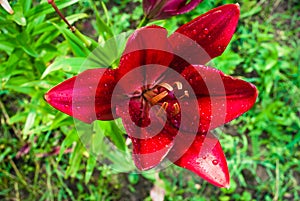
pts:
[221, 98]
[146, 46]
[86, 97]
[151, 139]
[149, 152]
[210, 32]
[204, 157]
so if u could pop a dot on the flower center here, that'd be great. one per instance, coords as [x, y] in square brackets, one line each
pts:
[164, 95]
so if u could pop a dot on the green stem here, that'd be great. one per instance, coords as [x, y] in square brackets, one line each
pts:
[82, 38]
[144, 22]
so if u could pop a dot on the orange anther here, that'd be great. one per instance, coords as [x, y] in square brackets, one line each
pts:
[164, 106]
[176, 108]
[158, 97]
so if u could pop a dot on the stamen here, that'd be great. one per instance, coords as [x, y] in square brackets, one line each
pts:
[178, 85]
[166, 85]
[186, 94]
[176, 108]
[158, 97]
[147, 96]
[164, 106]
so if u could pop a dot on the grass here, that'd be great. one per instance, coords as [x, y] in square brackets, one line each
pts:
[262, 146]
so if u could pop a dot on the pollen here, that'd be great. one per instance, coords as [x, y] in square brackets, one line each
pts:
[176, 108]
[167, 86]
[178, 85]
[158, 97]
[164, 106]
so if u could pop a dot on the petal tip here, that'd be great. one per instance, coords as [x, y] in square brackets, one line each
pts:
[46, 97]
[227, 185]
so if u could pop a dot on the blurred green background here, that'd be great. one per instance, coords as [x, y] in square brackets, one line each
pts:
[42, 157]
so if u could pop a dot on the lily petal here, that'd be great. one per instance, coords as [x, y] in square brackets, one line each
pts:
[204, 157]
[163, 9]
[151, 139]
[149, 152]
[175, 7]
[86, 97]
[211, 33]
[147, 46]
[221, 98]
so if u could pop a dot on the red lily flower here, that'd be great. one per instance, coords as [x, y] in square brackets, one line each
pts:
[161, 9]
[168, 102]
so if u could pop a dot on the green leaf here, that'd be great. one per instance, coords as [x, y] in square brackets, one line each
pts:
[113, 132]
[66, 64]
[18, 15]
[75, 160]
[71, 138]
[103, 28]
[90, 166]
[29, 122]
[45, 8]
[77, 46]
[26, 4]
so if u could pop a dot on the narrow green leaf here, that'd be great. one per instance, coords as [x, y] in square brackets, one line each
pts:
[75, 160]
[103, 28]
[65, 64]
[90, 166]
[18, 15]
[29, 122]
[114, 133]
[45, 8]
[78, 47]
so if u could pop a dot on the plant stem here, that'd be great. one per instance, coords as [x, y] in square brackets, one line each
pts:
[53, 4]
[144, 22]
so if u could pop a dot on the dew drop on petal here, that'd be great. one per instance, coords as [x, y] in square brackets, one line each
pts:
[215, 162]
[205, 30]
[194, 31]
[220, 49]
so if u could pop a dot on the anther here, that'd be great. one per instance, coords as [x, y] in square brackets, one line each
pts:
[186, 94]
[167, 86]
[176, 108]
[178, 85]
[158, 97]
[164, 106]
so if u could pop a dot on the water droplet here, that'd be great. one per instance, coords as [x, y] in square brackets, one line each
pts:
[205, 30]
[66, 106]
[209, 37]
[204, 157]
[220, 49]
[215, 162]
[194, 31]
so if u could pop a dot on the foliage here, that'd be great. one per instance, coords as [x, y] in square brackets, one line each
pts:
[37, 51]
